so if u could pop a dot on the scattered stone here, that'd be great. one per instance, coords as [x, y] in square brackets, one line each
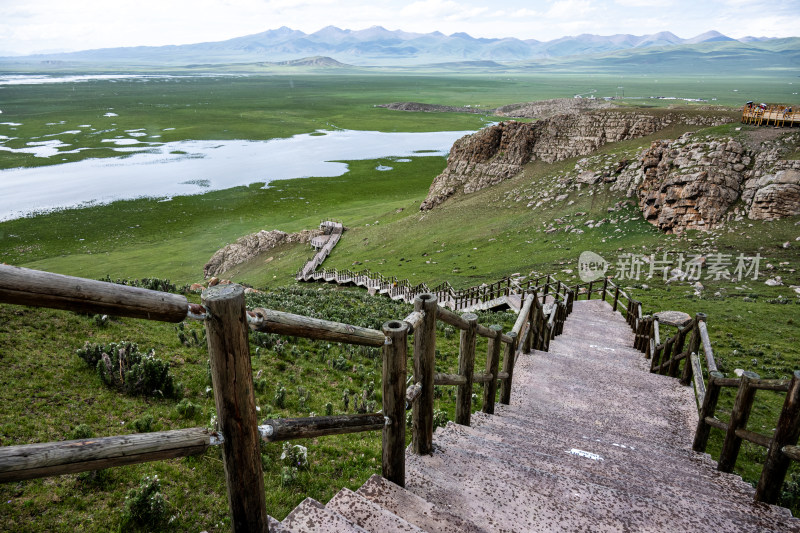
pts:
[739, 372]
[213, 282]
[196, 287]
[774, 282]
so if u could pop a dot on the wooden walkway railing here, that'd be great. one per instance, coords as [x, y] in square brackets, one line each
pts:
[227, 322]
[780, 115]
[470, 299]
[673, 357]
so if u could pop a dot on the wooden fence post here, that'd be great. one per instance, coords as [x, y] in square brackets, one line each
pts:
[616, 297]
[508, 368]
[492, 364]
[605, 288]
[694, 347]
[232, 381]
[662, 354]
[570, 301]
[708, 408]
[424, 352]
[529, 339]
[395, 350]
[466, 368]
[739, 416]
[589, 290]
[786, 433]
[677, 349]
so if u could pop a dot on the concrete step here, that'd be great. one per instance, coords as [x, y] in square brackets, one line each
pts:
[504, 496]
[414, 509]
[542, 438]
[310, 516]
[368, 515]
[638, 477]
[276, 527]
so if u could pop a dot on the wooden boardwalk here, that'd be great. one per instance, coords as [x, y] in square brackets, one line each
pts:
[778, 115]
[591, 441]
[504, 294]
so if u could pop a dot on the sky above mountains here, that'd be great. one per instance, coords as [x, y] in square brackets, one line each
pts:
[43, 26]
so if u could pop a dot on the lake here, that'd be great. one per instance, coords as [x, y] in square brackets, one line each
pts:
[163, 170]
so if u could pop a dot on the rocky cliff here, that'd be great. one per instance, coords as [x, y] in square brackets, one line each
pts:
[249, 246]
[697, 183]
[499, 152]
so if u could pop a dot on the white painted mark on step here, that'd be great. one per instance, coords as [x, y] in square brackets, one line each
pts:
[587, 455]
[602, 348]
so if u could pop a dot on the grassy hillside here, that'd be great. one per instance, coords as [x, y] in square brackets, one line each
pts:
[49, 393]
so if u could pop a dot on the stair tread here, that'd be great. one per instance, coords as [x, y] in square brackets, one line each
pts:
[642, 480]
[499, 496]
[415, 509]
[369, 515]
[311, 516]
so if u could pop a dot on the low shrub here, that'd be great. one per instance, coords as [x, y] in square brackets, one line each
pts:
[122, 366]
[145, 505]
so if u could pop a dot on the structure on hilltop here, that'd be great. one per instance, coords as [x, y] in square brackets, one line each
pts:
[780, 115]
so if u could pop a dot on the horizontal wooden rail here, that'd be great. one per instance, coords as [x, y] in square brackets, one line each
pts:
[522, 317]
[451, 318]
[792, 452]
[778, 385]
[709, 353]
[68, 457]
[412, 393]
[699, 385]
[752, 436]
[272, 321]
[716, 423]
[414, 320]
[281, 429]
[23, 286]
[448, 379]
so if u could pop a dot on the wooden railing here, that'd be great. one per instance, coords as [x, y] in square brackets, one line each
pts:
[227, 322]
[673, 357]
[780, 115]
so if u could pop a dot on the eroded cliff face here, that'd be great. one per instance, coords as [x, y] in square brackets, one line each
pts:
[249, 246]
[694, 183]
[499, 152]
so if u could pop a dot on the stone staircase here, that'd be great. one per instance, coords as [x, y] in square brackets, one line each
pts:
[591, 442]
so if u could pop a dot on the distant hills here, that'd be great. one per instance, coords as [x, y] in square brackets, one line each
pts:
[333, 47]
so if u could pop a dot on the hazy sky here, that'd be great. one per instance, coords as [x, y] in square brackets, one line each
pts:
[29, 26]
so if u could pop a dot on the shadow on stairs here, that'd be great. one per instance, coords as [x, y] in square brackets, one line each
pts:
[590, 442]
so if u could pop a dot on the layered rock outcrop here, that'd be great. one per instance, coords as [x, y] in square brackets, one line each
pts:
[249, 246]
[499, 152]
[692, 183]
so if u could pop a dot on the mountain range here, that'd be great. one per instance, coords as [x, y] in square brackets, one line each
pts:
[381, 47]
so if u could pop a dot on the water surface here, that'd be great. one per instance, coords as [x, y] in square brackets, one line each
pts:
[191, 167]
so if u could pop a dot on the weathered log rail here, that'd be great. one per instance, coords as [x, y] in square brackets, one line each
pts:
[227, 322]
[675, 358]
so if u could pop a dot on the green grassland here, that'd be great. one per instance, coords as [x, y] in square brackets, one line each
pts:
[47, 391]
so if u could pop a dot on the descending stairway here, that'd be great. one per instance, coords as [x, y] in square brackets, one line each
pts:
[591, 442]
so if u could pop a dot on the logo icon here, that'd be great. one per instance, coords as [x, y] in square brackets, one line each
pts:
[591, 266]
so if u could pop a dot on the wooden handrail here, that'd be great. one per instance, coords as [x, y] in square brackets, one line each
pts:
[281, 429]
[30, 461]
[23, 286]
[314, 328]
[227, 320]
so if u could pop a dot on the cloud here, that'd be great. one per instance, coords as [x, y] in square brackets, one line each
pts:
[570, 9]
[644, 3]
